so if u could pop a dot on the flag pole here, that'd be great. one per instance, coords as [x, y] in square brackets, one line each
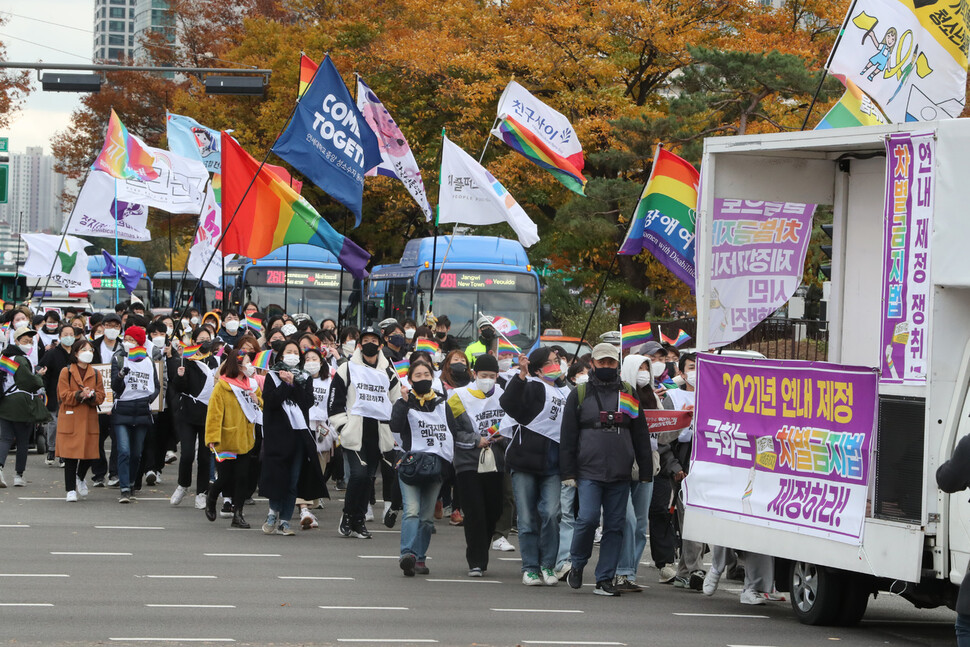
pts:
[811, 106]
[171, 263]
[596, 303]
[340, 292]
[67, 226]
[117, 291]
[16, 269]
[178, 297]
[437, 207]
[488, 139]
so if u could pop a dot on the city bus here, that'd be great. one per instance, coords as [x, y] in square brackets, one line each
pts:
[104, 295]
[299, 279]
[165, 288]
[482, 274]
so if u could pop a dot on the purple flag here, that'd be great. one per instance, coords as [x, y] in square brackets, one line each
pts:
[129, 277]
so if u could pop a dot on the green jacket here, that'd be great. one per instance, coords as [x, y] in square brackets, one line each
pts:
[474, 350]
[23, 407]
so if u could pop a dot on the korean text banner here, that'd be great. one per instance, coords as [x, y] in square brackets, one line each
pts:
[758, 256]
[908, 215]
[784, 444]
[98, 212]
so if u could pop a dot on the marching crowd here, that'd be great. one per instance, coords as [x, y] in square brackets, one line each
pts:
[553, 447]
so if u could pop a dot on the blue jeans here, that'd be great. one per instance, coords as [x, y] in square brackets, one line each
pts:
[635, 529]
[284, 507]
[537, 503]
[963, 630]
[567, 523]
[417, 518]
[131, 441]
[612, 498]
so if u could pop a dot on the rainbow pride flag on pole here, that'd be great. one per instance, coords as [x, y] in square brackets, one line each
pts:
[426, 345]
[402, 368]
[505, 347]
[262, 360]
[664, 338]
[255, 324]
[628, 405]
[8, 365]
[189, 352]
[682, 338]
[664, 220]
[855, 108]
[123, 155]
[308, 69]
[633, 335]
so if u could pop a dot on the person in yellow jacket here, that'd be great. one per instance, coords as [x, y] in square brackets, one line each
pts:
[230, 432]
[485, 342]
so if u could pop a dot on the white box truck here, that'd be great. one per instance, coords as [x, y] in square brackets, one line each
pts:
[915, 539]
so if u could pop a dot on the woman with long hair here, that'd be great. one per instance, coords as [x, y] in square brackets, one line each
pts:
[324, 435]
[80, 391]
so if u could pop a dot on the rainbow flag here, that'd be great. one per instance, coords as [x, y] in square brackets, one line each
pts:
[628, 405]
[682, 338]
[664, 338]
[224, 456]
[137, 353]
[124, 156]
[663, 221]
[526, 143]
[635, 334]
[855, 108]
[8, 365]
[505, 347]
[669, 384]
[505, 326]
[191, 351]
[262, 360]
[254, 323]
[270, 214]
[402, 368]
[426, 345]
[308, 69]
[491, 431]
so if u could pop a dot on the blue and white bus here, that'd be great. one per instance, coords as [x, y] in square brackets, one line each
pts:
[483, 274]
[104, 295]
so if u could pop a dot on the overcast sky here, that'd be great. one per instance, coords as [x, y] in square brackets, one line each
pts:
[45, 113]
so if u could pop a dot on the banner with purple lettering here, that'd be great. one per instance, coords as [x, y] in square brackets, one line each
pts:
[784, 444]
[906, 249]
[758, 256]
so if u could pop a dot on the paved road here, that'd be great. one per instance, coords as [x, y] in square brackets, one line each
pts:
[103, 573]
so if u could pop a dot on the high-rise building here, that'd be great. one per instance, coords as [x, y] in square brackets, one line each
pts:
[153, 17]
[34, 193]
[114, 30]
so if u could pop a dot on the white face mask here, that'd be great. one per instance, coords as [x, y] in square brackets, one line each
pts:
[504, 364]
[563, 366]
[582, 378]
[658, 368]
[440, 357]
[26, 348]
[158, 342]
[111, 333]
[311, 367]
[186, 324]
[409, 333]
[288, 329]
[169, 331]
[86, 356]
[249, 370]
[291, 359]
[67, 341]
[17, 323]
[128, 345]
[644, 378]
[691, 378]
[349, 347]
[232, 327]
[485, 385]
[194, 320]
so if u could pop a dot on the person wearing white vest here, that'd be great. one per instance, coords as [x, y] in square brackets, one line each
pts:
[424, 422]
[362, 393]
[324, 435]
[135, 384]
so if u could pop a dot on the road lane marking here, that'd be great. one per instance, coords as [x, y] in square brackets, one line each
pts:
[173, 640]
[242, 554]
[14, 525]
[90, 554]
[192, 606]
[471, 580]
[386, 640]
[34, 575]
[129, 527]
[538, 610]
[379, 556]
[313, 577]
[569, 642]
[330, 608]
[26, 604]
[180, 577]
[718, 615]
[510, 559]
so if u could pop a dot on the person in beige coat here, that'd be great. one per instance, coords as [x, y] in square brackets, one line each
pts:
[80, 391]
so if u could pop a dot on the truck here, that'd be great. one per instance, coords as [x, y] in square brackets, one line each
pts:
[914, 538]
[473, 274]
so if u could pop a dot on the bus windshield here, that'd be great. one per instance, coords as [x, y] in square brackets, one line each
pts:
[164, 290]
[315, 292]
[103, 294]
[463, 294]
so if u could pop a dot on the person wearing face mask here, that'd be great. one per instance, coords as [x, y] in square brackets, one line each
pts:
[362, 393]
[578, 372]
[423, 422]
[291, 467]
[454, 371]
[80, 391]
[446, 342]
[48, 335]
[231, 329]
[324, 436]
[54, 361]
[601, 443]
[535, 399]
[23, 317]
[160, 435]
[193, 381]
[135, 385]
[347, 343]
[485, 342]
[105, 346]
[479, 460]
[19, 409]
[395, 343]
[454, 375]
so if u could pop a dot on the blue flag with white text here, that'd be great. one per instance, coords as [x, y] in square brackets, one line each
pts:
[329, 141]
[188, 138]
[129, 277]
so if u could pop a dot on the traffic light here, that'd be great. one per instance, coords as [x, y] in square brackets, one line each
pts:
[826, 268]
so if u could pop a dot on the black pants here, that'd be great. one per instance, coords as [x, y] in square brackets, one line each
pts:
[335, 467]
[363, 468]
[663, 538]
[189, 433]
[104, 464]
[482, 498]
[255, 464]
[503, 527]
[157, 442]
[233, 477]
[73, 468]
[390, 485]
[15, 432]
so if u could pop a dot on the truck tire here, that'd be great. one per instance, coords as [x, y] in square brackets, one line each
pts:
[856, 594]
[816, 594]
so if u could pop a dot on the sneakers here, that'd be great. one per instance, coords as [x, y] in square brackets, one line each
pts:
[439, 509]
[503, 545]
[370, 513]
[150, 477]
[3, 483]
[270, 526]
[390, 518]
[624, 584]
[457, 518]
[752, 598]
[284, 529]
[341, 485]
[668, 573]
[476, 572]
[343, 528]
[563, 570]
[125, 497]
[114, 481]
[710, 582]
[531, 578]
[605, 587]
[49, 460]
[574, 578]
[226, 510]
[421, 569]
[407, 563]
[82, 488]
[170, 457]
[307, 520]
[97, 482]
[549, 577]
[681, 582]
[18, 481]
[598, 535]
[359, 530]
[71, 496]
[200, 502]
[697, 580]
[177, 496]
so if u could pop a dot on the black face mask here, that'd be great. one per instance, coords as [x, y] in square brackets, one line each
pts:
[421, 387]
[459, 370]
[398, 340]
[206, 347]
[441, 335]
[488, 334]
[671, 369]
[605, 374]
[370, 349]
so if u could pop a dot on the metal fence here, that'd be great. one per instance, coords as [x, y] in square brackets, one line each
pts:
[774, 338]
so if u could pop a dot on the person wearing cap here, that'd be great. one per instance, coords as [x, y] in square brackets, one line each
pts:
[485, 342]
[135, 385]
[362, 394]
[19, 410]
[105, 346]
[600, 444]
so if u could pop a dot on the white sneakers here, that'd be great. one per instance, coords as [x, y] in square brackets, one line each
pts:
[564, 569]
[18, 481]
[200, 502]
[370, 513]
[710, 582]
[549, 577]
[503, 545]
[72, 496]
[170, 457]
[531, 578]
[668, 573]
[3, 483]
[82, 487]
[178, 495]
[752, 598]
[307, 519]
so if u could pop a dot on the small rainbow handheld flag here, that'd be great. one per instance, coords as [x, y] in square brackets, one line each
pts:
[636, 334]
[191, 351]
[505, 326]
[402, 368]
[254, 323]
[505, 347]
[426, 345]
[262, 360]
[224, 456]
[8, 365]
[491, 431]
[664, 338]
[682, 338]
[628, 405]
[137, 353]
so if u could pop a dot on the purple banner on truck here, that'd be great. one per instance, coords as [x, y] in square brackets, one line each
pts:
[784, 444]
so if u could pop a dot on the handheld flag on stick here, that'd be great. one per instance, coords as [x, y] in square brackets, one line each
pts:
[664, 338]
[635, 334]
[505, 326]
[262, 360]
[189, 352]
[628, 405]
[506, 347]
[682, 338]
[224, 456]
[8, 365]
[255, 324]
[402, 368]
[426, 345]
[137, 353]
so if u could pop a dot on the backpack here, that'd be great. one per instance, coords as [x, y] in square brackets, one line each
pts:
[581, 393]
